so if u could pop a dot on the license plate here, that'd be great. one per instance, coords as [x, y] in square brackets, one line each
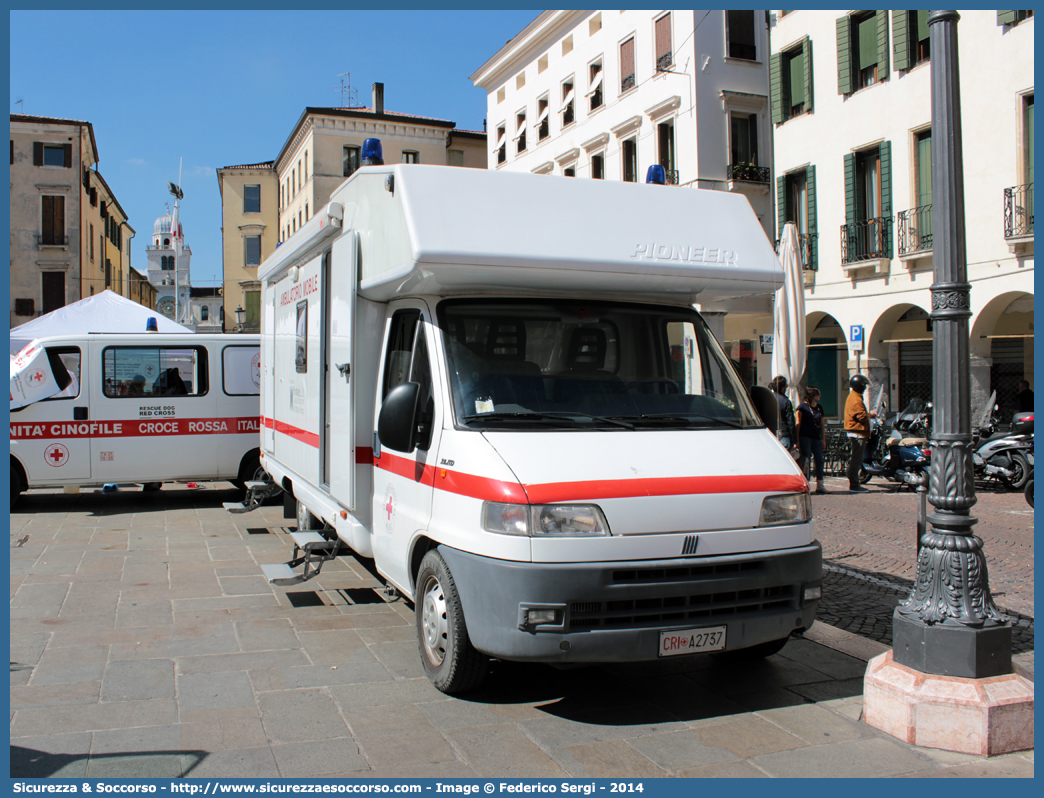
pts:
[692, 641]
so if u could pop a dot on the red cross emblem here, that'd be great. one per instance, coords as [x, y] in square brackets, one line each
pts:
[56, 455]
[390, 507]
[36, 376]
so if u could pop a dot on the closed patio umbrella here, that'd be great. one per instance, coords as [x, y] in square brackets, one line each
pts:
[788, 331]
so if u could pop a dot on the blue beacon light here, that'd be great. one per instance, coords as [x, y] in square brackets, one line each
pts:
[372, 153]
[151, 325]
[656, 175]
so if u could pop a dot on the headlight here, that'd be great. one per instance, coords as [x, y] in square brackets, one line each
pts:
[788, 508]
[544, 520]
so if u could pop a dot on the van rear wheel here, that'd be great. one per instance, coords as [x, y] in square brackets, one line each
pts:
[449, 659]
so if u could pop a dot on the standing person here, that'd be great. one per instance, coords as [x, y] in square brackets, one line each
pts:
[811, 433]
[787, 434]
[857, 427]
[1024, 398]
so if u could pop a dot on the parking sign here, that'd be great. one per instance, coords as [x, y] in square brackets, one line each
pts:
[855, 337]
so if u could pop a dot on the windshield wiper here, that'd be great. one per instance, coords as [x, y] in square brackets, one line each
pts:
[564, 415]
[677, 417]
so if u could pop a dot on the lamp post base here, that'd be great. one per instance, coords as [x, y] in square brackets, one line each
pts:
[951, 650]
[985, 717]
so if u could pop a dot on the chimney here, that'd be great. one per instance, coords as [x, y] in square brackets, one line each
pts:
[378, 98]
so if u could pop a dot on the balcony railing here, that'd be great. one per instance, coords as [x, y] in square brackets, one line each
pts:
[807, 248]
[915, 230]
[866, 240]
[748, 173]
[1018, 211]
[51, 240]
[664, 62]
[672, 176]
[627, 83]
[567, 115]
[501, 154]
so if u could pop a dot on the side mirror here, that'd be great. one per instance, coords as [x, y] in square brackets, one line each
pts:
[765, 403]
[397, 421]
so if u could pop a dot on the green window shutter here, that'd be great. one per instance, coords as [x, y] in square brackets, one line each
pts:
[806, 51]
[810, 188]
[850, 188]
[901, 39]
[1006, 17]
[37, 153]
[886, 191]
[776, 88]
[796, 83]
[882, 45]
[67, 154]
[866, 31]
[781, 205]
[844, 55]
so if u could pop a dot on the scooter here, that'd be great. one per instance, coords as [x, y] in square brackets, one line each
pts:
[1003, 455]
[904, 461]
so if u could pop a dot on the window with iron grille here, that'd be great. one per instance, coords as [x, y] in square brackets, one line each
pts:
[349, 161]
[543, 120]
[629, 154]
[568, 114]
[598, 166]
[627, 65]
[662, 36]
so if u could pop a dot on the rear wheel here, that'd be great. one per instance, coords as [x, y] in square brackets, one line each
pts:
[1019, 472]
[151, 486]
[449, 659]
[1029, 489]
[16, 486]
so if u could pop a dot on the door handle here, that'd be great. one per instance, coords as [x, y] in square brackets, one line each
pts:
[80, 414]
[345, 369]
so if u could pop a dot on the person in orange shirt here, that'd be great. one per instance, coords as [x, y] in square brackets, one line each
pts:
[857, 427]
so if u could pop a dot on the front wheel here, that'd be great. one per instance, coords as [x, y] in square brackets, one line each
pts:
[449, 659]
[1019, 472]
[864, 476]
[1029, 489]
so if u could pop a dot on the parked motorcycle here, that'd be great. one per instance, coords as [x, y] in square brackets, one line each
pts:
[1003, 455]
[904, 460]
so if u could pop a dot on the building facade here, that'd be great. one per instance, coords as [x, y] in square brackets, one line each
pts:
[263, 204]
[249, 234]
[606, 94]
[851, 119]
[70, 238]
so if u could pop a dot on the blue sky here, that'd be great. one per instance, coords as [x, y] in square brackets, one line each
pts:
[216, 88]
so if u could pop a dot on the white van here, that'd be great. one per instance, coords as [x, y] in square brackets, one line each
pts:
[137, 407]
[496, 386]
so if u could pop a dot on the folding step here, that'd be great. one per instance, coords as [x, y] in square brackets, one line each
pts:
[255, 485]
[280, 573]
[309, 541]
[236, 507]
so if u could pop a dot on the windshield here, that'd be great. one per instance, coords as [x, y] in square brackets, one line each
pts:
[544, 364]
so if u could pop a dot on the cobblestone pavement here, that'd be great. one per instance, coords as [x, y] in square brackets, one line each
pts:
[869, 554]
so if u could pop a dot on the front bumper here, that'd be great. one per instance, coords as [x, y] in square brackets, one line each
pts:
[615, 611]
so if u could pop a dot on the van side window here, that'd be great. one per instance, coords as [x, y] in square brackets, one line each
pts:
[70, 356]
[241, 370]
[400, 349]
[135, 372]
[301, 354]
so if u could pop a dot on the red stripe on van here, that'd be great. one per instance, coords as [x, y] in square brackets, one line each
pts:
[552, 492]
[133, 428]
[297, 433]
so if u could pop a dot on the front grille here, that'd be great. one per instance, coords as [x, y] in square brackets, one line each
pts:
[673, 610]
[685, 573]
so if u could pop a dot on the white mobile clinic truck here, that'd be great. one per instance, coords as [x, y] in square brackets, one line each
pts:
[134, 407]
[496, 386]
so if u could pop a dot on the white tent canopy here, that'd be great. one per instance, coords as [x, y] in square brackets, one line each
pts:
[104, 312]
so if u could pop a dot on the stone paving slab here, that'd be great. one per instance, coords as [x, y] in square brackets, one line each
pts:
[146, 643]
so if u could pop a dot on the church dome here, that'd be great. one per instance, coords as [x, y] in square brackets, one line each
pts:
[163, 225]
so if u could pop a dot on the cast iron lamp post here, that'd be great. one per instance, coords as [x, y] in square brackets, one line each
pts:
[949, 625]
[240, 317]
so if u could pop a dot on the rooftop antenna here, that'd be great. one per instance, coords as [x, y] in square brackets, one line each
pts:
[20, 102]
[346, 90]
